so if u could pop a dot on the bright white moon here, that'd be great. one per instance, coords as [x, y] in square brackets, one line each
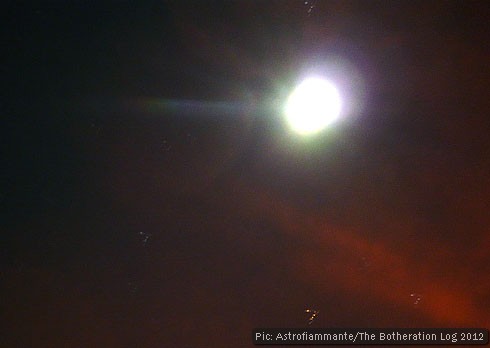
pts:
[312, 106]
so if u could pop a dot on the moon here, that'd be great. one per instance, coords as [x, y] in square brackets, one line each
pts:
[313, 105]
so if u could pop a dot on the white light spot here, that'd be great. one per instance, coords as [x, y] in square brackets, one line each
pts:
[144, 237]
[417, 298]
[312, 106]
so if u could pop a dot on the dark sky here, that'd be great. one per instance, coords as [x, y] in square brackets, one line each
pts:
[151, 197]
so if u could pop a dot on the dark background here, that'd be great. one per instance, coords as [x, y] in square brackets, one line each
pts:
[138, 211]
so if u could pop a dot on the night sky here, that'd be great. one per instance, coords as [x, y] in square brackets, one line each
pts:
[153, 196]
